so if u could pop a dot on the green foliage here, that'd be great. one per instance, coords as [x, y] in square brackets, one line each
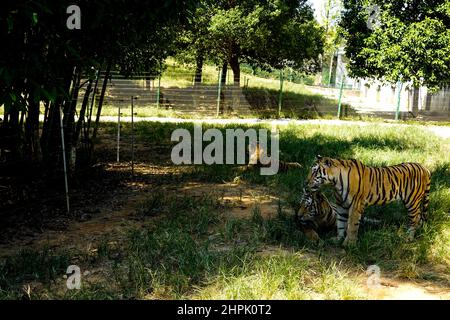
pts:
[410, 42]
[271, 34]
[42, 59]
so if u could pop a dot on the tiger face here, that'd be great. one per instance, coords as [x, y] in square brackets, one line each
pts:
[322, 173]
[308, 215]
[307, 209]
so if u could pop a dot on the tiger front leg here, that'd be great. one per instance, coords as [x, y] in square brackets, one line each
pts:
[312, 235]
[341, 222]
[354, 218]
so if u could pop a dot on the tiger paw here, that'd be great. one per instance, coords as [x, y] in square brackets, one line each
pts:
[410, 234]
[348, 242]
[336, 240]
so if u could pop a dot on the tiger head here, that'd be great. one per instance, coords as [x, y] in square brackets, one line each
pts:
[308, 212]
[323, 172]
[309, 202]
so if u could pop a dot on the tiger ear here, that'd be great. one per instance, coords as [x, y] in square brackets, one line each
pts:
[318, 157]
[328, 163]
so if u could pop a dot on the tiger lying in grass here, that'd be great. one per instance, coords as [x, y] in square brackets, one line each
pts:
[357, 186]
[316, 214]
[255, 160]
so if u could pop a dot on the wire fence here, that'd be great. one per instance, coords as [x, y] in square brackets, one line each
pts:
[177, 94]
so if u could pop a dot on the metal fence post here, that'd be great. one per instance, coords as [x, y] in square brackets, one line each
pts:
[399, 94]
[280, 97]
[118, 135]
[132, 135]
[158, 91]
[218, 92]
[64, 159]
[340, 98]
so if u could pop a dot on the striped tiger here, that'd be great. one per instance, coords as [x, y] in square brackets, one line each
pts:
[283, 166]
[357, 186]
[316, 213]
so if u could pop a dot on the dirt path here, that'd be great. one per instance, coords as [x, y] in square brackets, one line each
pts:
[396, 289]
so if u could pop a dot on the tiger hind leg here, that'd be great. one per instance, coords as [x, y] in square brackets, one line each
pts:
[415, 219]
[425, 203]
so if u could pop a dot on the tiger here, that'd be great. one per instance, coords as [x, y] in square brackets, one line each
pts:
[315, 213]
[357, 186]
[283, 166]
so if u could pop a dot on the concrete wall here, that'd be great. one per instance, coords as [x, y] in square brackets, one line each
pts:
[410, 100]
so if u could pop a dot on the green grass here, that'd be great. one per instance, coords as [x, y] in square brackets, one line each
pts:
[195, 250]
[375, 146]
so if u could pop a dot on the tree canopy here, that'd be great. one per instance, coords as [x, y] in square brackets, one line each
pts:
[42, 60]
[271, 33]
[409, 42]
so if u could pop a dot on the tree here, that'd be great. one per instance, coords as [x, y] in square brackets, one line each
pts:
[193, 45]
[271, 33]
[268, 33]
[330, 14]
[42, 61]
[409, 42]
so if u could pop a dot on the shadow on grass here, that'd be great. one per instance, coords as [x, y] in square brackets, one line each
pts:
[297, 105]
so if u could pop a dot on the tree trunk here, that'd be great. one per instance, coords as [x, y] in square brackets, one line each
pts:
[330, 72]
[199, 68]
[234, 64]
[224, 73]
[69, 120]
[100, 101]
[51, 138]
[83, 110]
[91, 108]
[415, 101]
[32, 146]
[14, 131]
[197, 79]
